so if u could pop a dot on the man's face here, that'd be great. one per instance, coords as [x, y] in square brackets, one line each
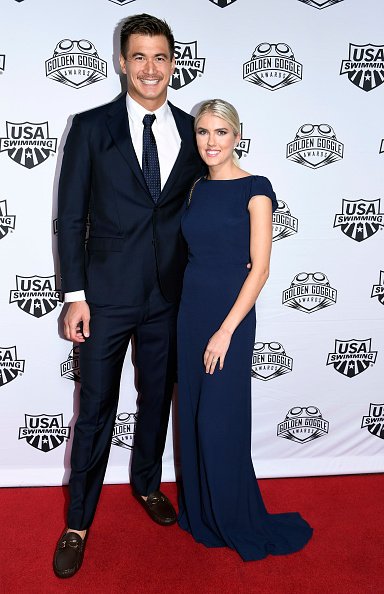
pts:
[148, 68]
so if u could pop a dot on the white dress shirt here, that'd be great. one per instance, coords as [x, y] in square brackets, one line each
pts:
[168, 146]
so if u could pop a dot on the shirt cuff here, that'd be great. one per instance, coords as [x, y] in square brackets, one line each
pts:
[74, 296]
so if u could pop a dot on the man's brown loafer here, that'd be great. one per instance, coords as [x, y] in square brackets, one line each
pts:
[69, 554]
[158, 507]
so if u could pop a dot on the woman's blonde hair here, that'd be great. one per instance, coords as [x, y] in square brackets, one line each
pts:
[222, 109]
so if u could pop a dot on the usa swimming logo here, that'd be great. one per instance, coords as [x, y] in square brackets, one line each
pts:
[36, 295]
[10, 366]
[7, 222]
[222, 3]
[303, 424]
[76, 64]
[320, 4]
[352, 357]
[28, 144]
[242, 147]
[315, 145]
[269, 361]
[374, 421]
[272, 66]
[360, 219]
[44, 432]
[284, 224]
[124, 430]
[188, 65]
[378, 290]
[365, 66]
[309, 292]
[70, 369]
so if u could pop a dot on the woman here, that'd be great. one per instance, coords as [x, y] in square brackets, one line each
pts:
[228, 223]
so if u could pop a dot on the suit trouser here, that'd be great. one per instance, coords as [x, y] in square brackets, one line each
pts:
[153, 326]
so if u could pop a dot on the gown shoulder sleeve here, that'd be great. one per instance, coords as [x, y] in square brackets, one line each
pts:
[261, 186]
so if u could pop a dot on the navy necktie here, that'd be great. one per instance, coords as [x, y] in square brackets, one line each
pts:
[151, 166]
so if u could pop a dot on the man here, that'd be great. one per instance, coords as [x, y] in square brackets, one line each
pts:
[128, 165]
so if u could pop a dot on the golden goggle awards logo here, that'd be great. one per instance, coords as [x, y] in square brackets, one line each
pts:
[272, 66]
[284, 224]
[314, 146]
[309, 292]
[303, 424]
[76, 64]
[269, 360]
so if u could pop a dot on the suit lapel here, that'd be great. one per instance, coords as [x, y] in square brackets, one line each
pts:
[118, 125]
[177, 168]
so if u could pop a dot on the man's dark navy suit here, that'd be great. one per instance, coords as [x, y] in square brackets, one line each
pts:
[131, 271]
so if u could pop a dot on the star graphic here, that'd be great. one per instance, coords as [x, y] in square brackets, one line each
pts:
[360, 228]
[38, 305]
[176, 74]
[351, 365]
[28, 154]
[367, 76]
[45, 440]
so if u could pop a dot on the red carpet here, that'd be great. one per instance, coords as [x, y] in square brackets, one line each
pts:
[128, 554]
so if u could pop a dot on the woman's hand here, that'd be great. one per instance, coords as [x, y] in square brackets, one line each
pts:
[216, 350]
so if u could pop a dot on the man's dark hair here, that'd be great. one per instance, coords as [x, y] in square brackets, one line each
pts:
[145, 24]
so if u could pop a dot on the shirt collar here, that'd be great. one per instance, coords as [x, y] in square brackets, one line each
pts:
[136, 111]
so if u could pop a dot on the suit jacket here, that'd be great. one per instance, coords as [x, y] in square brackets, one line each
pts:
[131, 241]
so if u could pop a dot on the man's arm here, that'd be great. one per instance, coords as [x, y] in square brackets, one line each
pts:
[73, 204]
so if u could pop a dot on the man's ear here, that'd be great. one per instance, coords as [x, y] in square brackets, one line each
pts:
[122, 64]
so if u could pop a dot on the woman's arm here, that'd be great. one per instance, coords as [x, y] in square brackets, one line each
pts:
[260, 212]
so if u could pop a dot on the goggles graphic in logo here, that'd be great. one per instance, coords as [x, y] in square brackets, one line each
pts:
[314, 146]
[374, 422]
[272, 66]
[7, 221]
[303, 424]
[360, 219]
[352, 357]
[320, 4]
[76, 64]
[70, 369]
[188, 65]
[284, 224]
[28, 144]
[309, 292]
[44, 432]
[365, 66]
[2, 62]
[270, 360]
[124, 430]
[10, 366]
[378, 290]
[36, 295]
[222, 3]
[242, 148]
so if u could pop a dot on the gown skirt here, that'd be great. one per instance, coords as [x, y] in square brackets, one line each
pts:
[220, 503]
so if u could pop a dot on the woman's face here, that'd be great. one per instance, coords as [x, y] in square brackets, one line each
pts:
[215, 140]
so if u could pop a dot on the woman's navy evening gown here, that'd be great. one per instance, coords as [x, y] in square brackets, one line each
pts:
[220, 502]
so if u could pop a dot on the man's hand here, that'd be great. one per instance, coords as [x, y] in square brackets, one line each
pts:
[76, 321]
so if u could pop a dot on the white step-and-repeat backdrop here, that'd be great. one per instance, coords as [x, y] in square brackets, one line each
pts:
[307, 78]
